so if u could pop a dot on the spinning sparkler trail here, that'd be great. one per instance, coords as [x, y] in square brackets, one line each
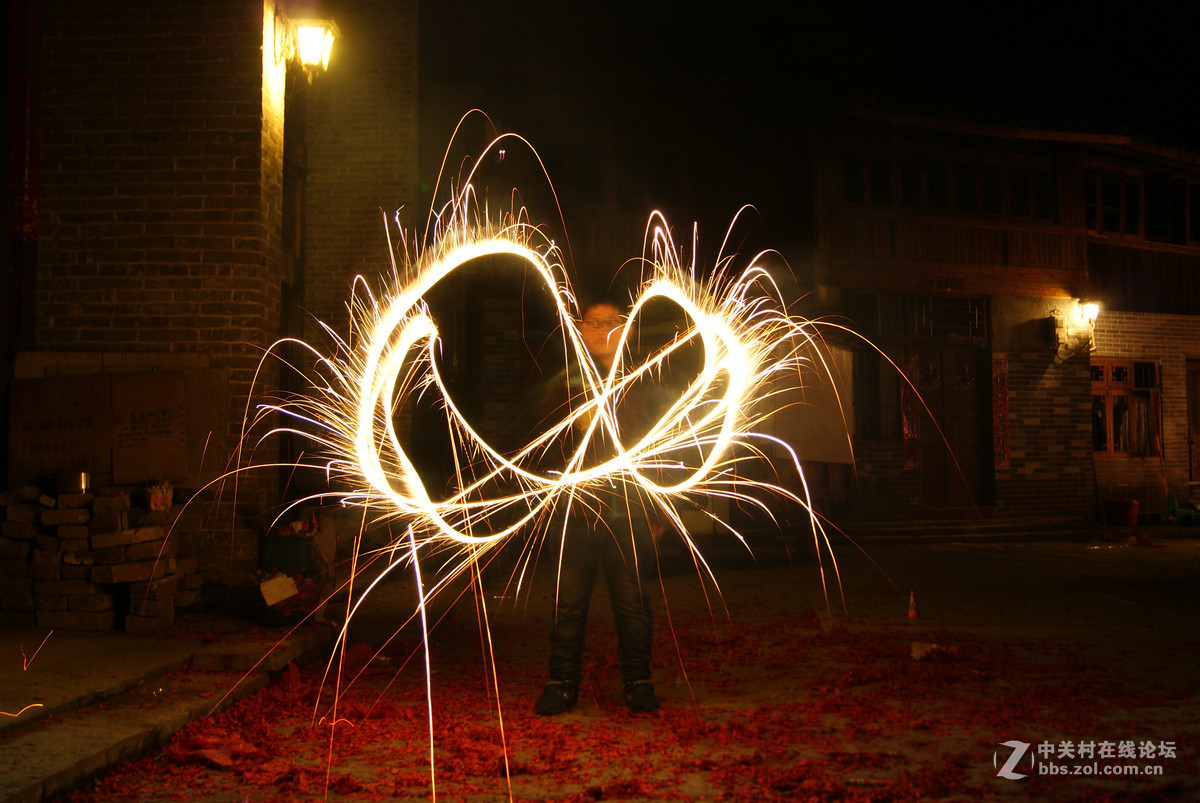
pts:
[735, 328]
[748, 345]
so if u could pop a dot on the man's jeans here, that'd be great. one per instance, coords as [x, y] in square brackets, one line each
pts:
[588, 546]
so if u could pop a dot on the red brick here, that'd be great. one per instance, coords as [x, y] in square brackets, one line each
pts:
[47, 543]
[113, 554]
[46, 556]
[53, 518]
[43, 571]
[14, 567]
[111, 504]
[125, 537]
[16, 602]
[24, 513]
[75, 500]
[132, 572]
[111, 521]
[93, 603]
[49, 602]
[155, 589]
[72, 531]
[151, 550]
[22, 530]
[186, 599]
[10, 548]
[77, 587]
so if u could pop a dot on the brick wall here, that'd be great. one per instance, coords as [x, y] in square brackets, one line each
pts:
[361, 121]
[1171, 340]
[1050, 439]
[1049, 473]
[160, 200]
[884, 489]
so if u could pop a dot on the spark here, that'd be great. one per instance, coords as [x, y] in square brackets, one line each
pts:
[736, 331]
[749, 347]
[25, 662]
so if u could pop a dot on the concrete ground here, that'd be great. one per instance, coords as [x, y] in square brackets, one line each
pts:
[1113, 599]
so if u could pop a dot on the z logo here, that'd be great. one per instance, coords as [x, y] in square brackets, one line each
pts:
[1018, 752]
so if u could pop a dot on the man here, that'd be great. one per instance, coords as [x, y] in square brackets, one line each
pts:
[609, 531]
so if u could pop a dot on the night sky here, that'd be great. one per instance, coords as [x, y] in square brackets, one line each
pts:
[1105, 66]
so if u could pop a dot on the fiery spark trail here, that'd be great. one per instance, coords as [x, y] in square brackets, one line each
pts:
[734, 330]
[747, 341]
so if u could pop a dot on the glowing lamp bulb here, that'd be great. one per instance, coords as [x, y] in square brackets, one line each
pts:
[314, 42]
[1089, 311]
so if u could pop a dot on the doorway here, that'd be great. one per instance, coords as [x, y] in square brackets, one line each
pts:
[1193, 413]
[954, 439]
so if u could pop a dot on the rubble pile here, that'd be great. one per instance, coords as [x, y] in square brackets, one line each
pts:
[84, 561]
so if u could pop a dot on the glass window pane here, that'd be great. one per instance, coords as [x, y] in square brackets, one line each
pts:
[939, 186]
[1133, 205]
[1193, 213]
[1018, 192]
[910, 184]
[964, 188]
[852, 180]
[1045, 196]
[1120, 423]
[990, 193]
[1090, 207]
[1099, 425]
[881, 181]
[1110, 202]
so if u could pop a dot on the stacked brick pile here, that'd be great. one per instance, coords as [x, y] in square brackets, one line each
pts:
[90, 562]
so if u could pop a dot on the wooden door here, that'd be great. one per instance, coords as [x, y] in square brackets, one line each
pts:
[1193, 409]
[954, 437]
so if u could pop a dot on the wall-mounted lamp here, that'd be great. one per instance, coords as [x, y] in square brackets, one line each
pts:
[1075, 331]
[306, 42]
[314, 43]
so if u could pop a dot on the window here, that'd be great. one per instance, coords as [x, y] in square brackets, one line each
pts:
[991, 193]
[881, 181]
[1166, 209]
[1016, 185]
[1125, 407]
[853, 190]
[939, 180]
[965, 188]
[910, 184]
[1112, 202]
[1193, 192]
[868, 180]
[1018, 191]
[1045, 196]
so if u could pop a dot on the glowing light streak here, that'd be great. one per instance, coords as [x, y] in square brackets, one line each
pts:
[750, 350]
[25, 662]
[690, 453]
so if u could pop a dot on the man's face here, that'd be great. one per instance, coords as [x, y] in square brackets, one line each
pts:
[601, 329]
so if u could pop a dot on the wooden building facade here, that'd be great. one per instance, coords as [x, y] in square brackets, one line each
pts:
[969, 257]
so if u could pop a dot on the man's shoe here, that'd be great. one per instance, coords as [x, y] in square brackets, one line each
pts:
[639, 696]
[557, 697]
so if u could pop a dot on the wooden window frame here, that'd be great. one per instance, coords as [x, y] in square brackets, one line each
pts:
[1127, 394]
